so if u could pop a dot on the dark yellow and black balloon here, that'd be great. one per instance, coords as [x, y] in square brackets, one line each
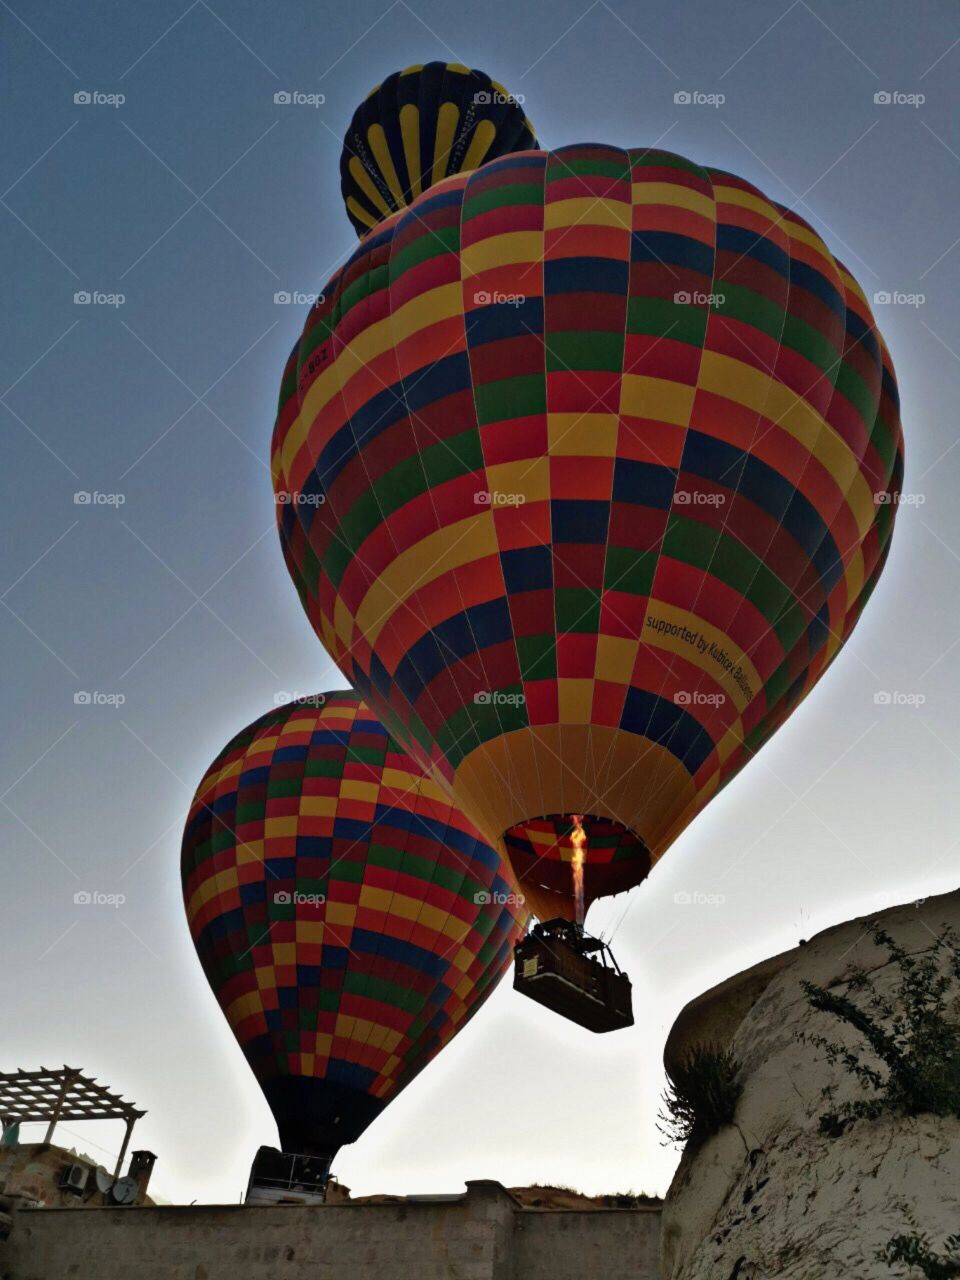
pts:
[419, 126]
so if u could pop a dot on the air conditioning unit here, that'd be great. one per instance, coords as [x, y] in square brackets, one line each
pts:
[73, 1178]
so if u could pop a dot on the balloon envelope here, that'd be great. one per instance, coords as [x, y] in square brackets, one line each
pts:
[591, 461]
[417, 127]
[347, 917]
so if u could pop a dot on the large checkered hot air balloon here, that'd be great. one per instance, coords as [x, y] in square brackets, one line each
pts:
[348, 918]
[588, 462]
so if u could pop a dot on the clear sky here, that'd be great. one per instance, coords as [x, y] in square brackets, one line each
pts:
[197, 199]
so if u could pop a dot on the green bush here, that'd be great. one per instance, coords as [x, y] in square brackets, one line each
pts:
[701, 1096]
[915, 1251]
[912, 1062]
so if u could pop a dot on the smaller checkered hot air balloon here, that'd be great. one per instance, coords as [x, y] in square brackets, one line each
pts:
[348, 918]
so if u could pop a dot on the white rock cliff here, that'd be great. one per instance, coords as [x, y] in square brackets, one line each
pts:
[770, 1195]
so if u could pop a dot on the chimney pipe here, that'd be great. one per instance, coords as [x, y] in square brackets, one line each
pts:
[141, 1167]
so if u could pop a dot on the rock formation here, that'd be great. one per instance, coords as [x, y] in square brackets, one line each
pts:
[770, 1194]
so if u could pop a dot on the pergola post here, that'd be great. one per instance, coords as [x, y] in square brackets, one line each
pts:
[131, 1121]
[61, 1098]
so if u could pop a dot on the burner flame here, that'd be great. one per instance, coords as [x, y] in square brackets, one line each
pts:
[578, 838]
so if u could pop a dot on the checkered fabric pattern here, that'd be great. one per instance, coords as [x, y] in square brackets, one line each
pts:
[591, 460]
[347, 916]
[540, 852]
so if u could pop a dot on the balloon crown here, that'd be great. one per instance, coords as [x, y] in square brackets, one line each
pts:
[418, 127]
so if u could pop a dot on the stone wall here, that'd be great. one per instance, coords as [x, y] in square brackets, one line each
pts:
[603, 1244]
[483, 1235]
[770, 1195]
[31, 1171]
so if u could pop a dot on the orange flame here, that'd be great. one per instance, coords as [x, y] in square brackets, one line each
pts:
[578, 838]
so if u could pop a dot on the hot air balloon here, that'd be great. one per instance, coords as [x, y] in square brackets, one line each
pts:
[348, 918]
[417, 127]
[590, 461]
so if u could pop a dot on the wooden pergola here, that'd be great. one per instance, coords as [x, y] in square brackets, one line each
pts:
[29, 1097]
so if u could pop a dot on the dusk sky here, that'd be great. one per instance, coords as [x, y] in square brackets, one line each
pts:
[184, 199]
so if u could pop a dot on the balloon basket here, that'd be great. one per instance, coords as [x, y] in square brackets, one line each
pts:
[282, 1177]
[564, 969]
